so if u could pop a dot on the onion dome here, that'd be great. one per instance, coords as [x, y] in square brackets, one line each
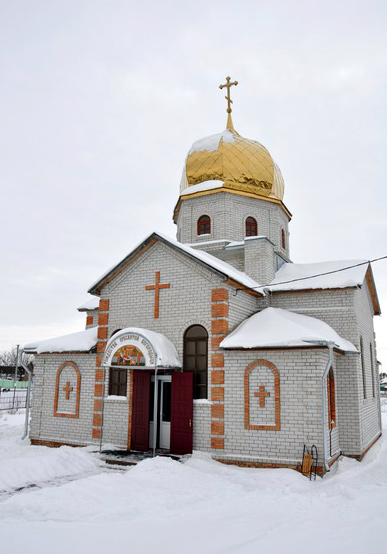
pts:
[241, 164]
[231, 163]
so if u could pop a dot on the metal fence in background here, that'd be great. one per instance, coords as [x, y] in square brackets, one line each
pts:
[383, 400]
[12, 399]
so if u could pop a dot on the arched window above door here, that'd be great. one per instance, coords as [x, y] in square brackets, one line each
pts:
[251, 227]
[196, 358]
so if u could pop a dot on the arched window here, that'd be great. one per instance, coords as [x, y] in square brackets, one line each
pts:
[251, 227]
[372, 371]
[331, 399]
[363, 368]
[196, 358]
[283, 244]
[204, 225]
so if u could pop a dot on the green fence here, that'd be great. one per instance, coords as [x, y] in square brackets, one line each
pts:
[10, 384]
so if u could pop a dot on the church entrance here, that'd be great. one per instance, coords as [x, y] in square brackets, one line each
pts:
[169, 397]
[163, 423]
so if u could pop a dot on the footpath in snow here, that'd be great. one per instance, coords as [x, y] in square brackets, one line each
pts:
[199, 506]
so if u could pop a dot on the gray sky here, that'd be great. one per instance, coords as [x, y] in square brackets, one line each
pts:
[101, 101]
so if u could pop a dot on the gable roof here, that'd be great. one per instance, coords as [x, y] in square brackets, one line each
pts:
[221, 268]
[278, 328]
[339, 274]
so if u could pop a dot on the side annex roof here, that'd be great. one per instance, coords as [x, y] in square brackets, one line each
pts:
[339, 274]
[82, 341]
[221, 268]
[278, 328]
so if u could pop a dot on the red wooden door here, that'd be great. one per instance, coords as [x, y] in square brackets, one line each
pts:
[181, 413]
[140, 410]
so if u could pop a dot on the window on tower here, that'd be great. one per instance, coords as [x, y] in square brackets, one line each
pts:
[251, 227]
[204, 225]
[283, 244]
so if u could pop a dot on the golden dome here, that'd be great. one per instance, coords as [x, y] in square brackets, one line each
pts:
[239, 164]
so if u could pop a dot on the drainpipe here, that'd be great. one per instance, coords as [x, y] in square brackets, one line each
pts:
[155, 404]
[21, 363]
[330, 346]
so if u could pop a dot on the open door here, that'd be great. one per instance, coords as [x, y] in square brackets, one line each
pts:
[182, 413]
[140, 410]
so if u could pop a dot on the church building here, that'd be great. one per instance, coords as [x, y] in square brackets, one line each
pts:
[217, 341]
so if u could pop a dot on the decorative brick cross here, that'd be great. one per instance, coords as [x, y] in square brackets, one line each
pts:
[67, 389]
[156, 287]
[262, 396]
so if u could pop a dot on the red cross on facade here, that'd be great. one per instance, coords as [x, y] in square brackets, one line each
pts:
[67, 389]
[262, 394]
[156, 287]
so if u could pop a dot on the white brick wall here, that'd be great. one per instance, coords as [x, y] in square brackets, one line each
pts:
[228, 213]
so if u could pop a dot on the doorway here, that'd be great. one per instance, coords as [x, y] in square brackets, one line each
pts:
[174, 409]
[163, 424]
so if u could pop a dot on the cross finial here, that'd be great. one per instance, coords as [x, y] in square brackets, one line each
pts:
[228, 85]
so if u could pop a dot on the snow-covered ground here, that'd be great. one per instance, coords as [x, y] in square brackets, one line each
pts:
[200, 506]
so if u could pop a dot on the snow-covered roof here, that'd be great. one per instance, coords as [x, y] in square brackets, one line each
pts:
[211, 261]
[276, 328]
[91, 304]
[83, 341]
[328, 275]
[165, 351]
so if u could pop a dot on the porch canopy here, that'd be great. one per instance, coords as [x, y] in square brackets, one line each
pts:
[138, 348]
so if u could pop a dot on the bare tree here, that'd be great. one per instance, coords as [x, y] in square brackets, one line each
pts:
[8, 361]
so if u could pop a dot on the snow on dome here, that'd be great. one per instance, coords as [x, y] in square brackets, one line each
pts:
[206, 185]
[164, 349]
[243, 165]
[275, 327]
[83, 341]
[211, 143]
[91, 304]
[302, 274]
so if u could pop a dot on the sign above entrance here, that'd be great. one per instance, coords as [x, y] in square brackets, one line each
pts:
[135, 347]
[129, 350]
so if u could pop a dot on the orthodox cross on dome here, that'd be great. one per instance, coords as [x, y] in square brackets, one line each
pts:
[228, 85]
[67, 389]
[262, 394]
[156, 287]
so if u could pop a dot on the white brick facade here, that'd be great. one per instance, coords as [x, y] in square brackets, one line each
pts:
[262, 406]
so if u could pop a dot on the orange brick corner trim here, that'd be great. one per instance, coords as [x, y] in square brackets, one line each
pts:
[104, 305]
[219, 295]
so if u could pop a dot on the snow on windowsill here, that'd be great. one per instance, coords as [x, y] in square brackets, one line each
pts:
[202, 401]
[115, 398]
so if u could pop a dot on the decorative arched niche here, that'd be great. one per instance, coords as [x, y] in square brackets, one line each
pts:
[262, 396]
[67, 391]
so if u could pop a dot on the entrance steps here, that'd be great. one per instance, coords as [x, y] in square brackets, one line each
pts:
[131, 458]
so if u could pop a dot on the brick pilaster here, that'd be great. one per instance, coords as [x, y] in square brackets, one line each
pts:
[219, 325]
[103, 320]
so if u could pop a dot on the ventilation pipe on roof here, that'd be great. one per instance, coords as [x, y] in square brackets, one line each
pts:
[29, 372]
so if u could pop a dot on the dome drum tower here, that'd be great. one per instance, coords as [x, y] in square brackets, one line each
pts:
[232, 190]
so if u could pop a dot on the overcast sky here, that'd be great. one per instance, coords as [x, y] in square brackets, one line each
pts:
[102, 99]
